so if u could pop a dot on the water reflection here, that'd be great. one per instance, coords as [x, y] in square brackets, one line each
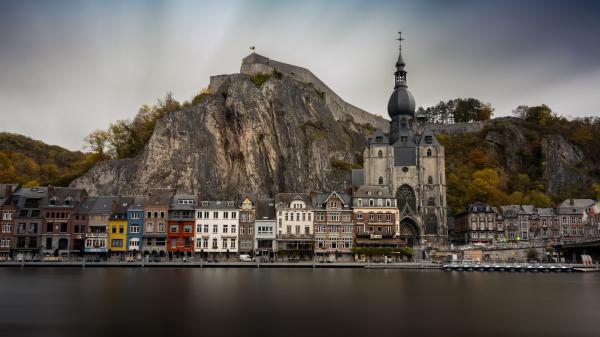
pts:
[267, 302]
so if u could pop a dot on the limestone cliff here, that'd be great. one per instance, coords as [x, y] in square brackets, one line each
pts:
[246, 135]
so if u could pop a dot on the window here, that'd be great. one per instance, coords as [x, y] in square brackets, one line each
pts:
[199, 215]
[49, 228]
[233, 229]
[149, 215]
[173, 243]
[403, 139]
[161, 227]
[224, 243]
[134, 229]
[359, 215]
[388, 217]
[430, 180]
[380, 154]
[215, 215]
[225, 215]
[63, 227]
[309, 216]
[214, 243]
[135, 215]
[215, 229]
[234, 215]
[371, 217]
[225, 228]
[359, 202]
[334, 216]
[187, 228]
[380, 180]
[428, 139]
[205, 243]
[113, 229]
[118, 243]
[121, 229]
[428, 152]
[306, 230]
[206, 215]
[371, 202]
[205, 228]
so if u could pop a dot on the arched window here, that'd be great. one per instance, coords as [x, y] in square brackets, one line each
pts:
[428, 152]
[403, 123]
[380, 180]
[380, 154]
[430, 180]
[431, 224]
[431, 201]
[406, 197]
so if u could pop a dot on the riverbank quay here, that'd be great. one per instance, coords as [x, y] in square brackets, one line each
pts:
[203, 264]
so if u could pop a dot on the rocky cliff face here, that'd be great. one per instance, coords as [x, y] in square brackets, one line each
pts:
[268, 137]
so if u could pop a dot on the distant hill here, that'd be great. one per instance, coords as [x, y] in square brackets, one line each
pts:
[33, 162]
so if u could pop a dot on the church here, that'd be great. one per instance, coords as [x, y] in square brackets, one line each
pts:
[410, 163]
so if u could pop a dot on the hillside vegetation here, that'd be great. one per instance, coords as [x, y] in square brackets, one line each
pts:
[33, 162]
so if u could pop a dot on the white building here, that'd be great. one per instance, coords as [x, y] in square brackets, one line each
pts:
[217, 224]
[295, 228]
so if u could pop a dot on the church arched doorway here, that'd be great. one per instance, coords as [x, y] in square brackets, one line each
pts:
[409, 231]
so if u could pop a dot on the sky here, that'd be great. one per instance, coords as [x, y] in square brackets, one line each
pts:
[70, 67]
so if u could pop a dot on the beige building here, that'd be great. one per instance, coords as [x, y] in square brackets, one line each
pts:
[156, 213]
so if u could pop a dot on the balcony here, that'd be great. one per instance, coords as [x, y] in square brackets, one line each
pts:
[96, 235]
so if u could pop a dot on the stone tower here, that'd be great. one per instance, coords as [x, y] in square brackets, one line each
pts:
[410, 162]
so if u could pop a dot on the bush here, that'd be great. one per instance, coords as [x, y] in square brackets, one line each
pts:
[341, 165]
[259, 79]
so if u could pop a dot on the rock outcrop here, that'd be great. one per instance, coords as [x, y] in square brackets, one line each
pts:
[276, 134]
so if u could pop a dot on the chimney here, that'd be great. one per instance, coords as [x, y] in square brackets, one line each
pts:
[8, 190]
[50, 192]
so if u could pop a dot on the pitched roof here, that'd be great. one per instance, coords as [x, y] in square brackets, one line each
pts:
[265, 209]
[319, 199]
[217, 204]
[375, 191]
[287, 198]
[160, 196]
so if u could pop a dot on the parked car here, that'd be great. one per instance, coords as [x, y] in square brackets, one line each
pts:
[246, 258]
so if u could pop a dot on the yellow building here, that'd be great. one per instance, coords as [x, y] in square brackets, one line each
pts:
[117, 235]
[117, 226]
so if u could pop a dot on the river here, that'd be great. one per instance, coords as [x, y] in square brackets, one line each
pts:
[300, 302]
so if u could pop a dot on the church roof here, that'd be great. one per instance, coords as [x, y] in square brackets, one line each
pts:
[428, 133]
[373, 192]
[401, 102]
[379, 138]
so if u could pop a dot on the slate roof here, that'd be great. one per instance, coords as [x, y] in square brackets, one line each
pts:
[102, 205]
[376, 192]
[379, 138]
[265, 209]
[574, 206]
[160, 197]
[20, 196]
[137, 204]
[61, 194]
[287, 198]
[175, 205]
[320, 198]
[217, 204]
[427, 132]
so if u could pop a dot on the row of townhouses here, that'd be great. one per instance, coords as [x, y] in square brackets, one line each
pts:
[59, 221]
[571, 220]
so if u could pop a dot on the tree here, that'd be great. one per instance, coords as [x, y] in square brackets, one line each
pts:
[540, 114]
[97, 141]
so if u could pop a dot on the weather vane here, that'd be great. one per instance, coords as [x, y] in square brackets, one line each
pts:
[400, 39]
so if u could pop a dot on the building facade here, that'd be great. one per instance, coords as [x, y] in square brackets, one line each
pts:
[180, 238]
[375, 218]
[265, 239]
[27, 226]
[7, 217]
[411, 164]
[117, 227]
[135, 225]
[295, 227]
[156, 212]
[58, 223]
[216, 229]
[246, 230]
[334, 232]
[96, 236]
[477, 224]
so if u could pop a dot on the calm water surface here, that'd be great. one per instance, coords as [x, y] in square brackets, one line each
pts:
[298, 302]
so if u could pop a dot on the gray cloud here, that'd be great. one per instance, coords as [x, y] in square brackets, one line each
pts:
[70, 67]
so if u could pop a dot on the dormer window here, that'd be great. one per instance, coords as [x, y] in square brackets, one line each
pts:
[68, 202]
[428, 139]
[404, 139]
[230, 203]
[371, 202]
[359, 202]
[53, 201]
[403, 123]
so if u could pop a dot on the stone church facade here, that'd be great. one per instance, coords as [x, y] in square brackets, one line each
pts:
[410, 162]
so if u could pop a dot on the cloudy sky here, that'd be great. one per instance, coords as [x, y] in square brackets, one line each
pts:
[69, 67]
